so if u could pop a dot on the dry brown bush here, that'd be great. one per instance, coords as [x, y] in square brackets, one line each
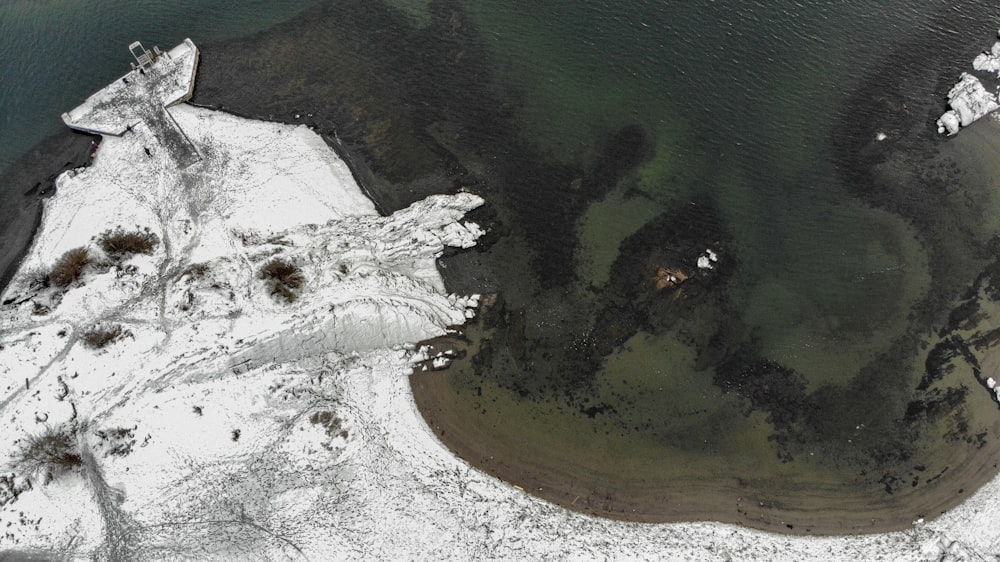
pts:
[118, 243]
[196, 270]
[100, 336]
[48, 454]
[69, 267]
[284, 278]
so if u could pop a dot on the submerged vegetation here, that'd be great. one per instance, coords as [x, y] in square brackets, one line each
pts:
[831, 278]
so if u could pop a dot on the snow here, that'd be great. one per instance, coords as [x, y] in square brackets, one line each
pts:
[229, 424]
[212, 370]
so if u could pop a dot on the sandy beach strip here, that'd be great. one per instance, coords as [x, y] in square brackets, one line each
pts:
[823, 512]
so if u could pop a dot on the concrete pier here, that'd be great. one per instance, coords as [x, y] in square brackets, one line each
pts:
[141, 98]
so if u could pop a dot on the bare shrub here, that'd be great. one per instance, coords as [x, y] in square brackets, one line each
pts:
[69, 267]
[118, 243]
[38, 279]
[330, 421]
[99, 337]
[196, 270]
[117, 441]
[283, 277]
[48, 454]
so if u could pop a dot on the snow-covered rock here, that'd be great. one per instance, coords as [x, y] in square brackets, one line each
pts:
[707, 259]
[969, 101]
[988, 61]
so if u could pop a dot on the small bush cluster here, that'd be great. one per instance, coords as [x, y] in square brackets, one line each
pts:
[47, 454]
[117, 441]
[118, 243]
[330, 421]
[69, 267]
[283, 277]
[99, 337]
[38, 279]
[195, 270]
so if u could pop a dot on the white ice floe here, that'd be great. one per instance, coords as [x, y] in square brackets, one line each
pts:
[229, 424]
[707, 260]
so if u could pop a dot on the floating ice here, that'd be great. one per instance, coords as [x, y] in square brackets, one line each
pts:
[707, 260]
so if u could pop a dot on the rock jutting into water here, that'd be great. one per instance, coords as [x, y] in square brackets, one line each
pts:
[968, 99]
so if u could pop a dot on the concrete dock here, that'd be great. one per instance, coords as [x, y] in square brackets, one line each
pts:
[141, 98]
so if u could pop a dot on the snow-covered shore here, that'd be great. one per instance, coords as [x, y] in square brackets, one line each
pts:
[212, 373]
[229, 424]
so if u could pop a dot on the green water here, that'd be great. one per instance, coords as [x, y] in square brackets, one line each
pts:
[745, 120]
[740, 107]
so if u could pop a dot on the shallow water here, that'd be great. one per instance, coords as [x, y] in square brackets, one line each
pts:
[801, 360]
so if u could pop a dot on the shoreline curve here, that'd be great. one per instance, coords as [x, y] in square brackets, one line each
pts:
[795, 514]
